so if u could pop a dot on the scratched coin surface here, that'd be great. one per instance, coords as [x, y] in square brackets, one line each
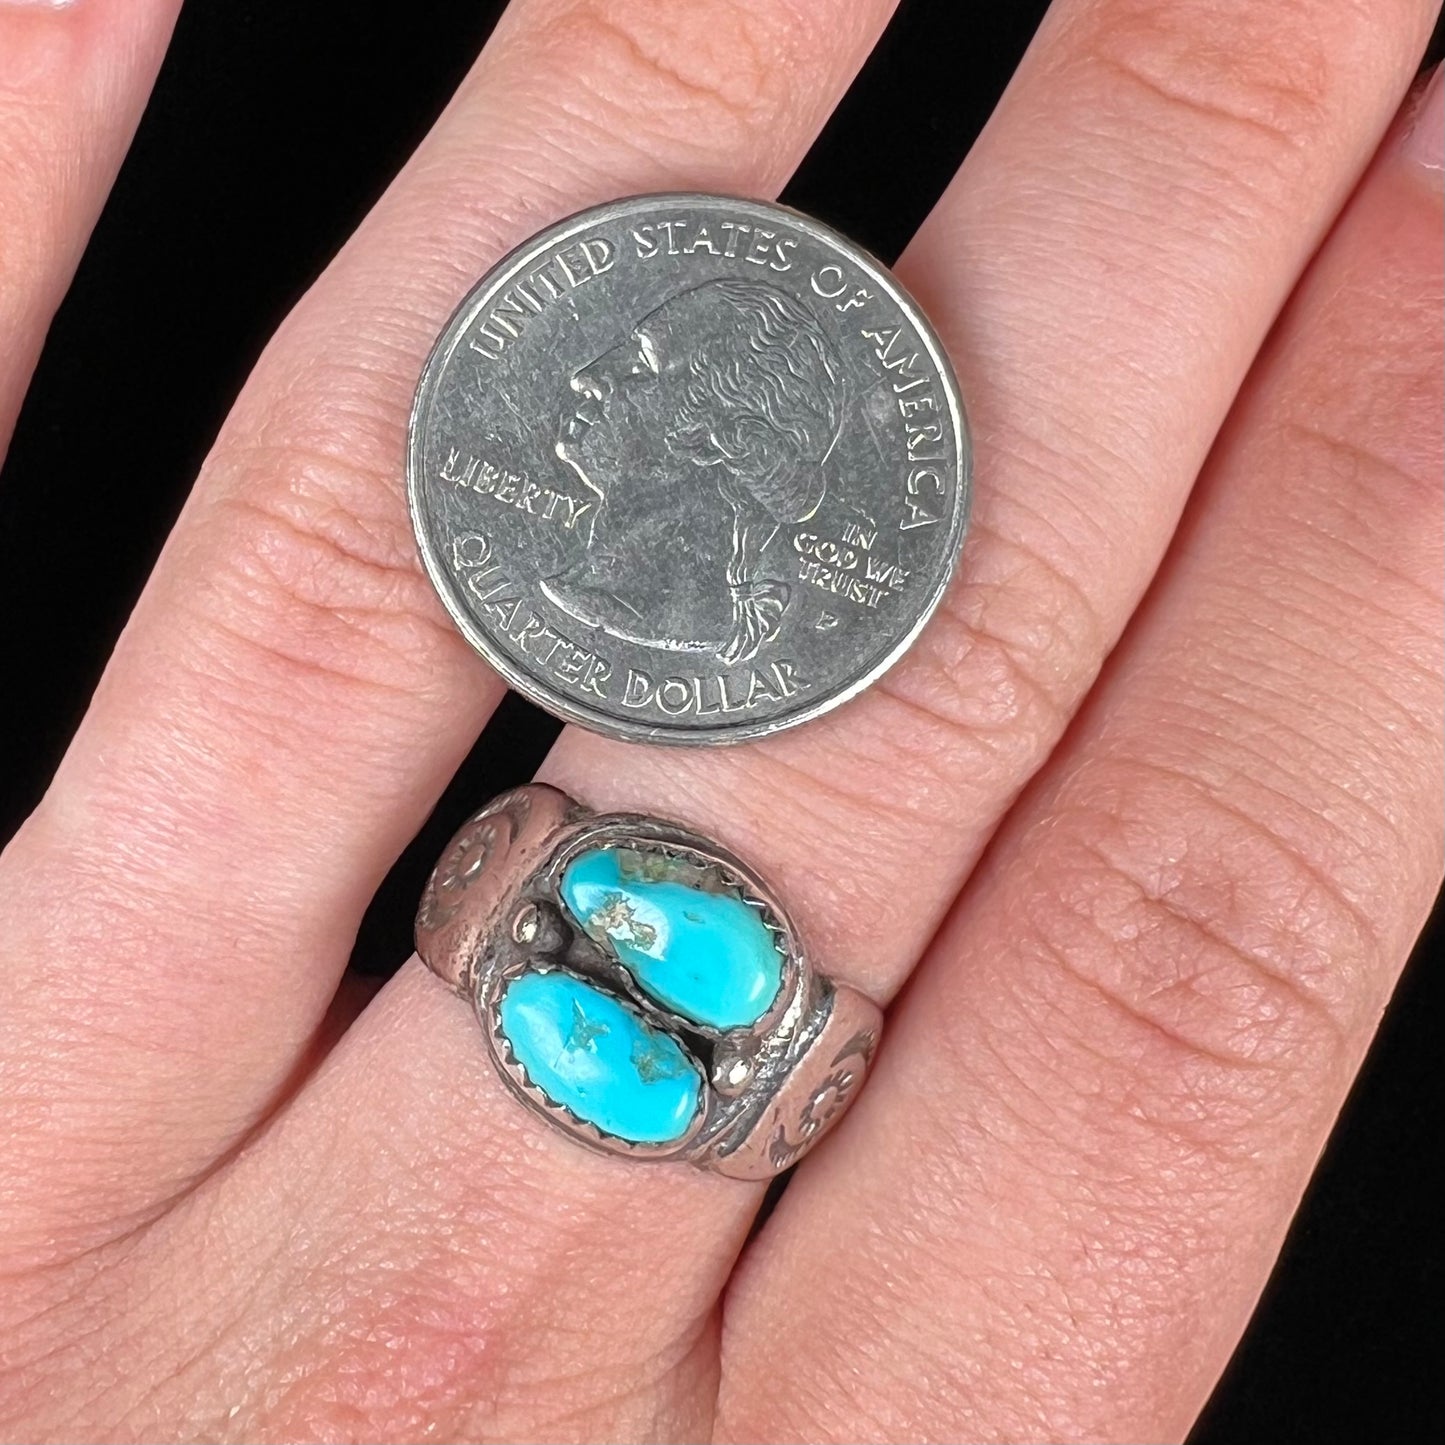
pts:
[689, 469]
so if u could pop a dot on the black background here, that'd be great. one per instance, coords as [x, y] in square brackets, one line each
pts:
[273, 127]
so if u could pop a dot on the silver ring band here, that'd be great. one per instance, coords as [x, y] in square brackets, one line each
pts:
[641, 988]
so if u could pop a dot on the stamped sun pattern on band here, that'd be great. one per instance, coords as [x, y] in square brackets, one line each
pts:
[465, 859]
[827, 1101]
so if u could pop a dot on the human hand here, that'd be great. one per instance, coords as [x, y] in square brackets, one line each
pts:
[1093, 1114]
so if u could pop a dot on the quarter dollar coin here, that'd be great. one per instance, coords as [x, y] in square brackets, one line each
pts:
[689, 469]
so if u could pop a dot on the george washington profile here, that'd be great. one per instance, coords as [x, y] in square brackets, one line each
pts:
[699, 435]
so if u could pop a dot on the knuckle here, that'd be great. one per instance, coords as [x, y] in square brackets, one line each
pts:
[1263, 75]
[401, 1289]
[1362, 410]
[310, 578]
[967, 714]
[994, 677]
[1383, 475]
[1195, 944]
[729, 62]
[395, 1359]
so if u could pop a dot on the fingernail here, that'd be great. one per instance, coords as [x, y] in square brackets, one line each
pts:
[1425, 140]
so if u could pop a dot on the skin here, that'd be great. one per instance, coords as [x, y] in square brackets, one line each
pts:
[1211, 804]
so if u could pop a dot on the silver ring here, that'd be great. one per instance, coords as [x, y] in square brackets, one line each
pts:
[641, 988]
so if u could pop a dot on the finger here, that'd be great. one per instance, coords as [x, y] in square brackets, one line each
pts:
[1105, 1090]
[73, 81]
[1103, 270]
[288, 700]
[521, 1227]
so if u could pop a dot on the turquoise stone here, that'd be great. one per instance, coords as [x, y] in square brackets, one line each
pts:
[706, 956]
[592, 1054]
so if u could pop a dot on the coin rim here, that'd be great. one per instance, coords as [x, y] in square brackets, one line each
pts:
[594, 719]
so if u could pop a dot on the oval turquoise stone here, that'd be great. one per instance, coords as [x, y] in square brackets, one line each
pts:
[706, 956]
[592, 1054]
